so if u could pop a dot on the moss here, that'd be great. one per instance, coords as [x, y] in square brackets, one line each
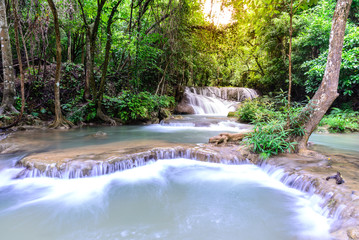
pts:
[231, 114]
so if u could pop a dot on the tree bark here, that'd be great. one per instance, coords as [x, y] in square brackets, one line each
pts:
[9, 92]
[290, 62]
[60, 120]
[91, 35]
[17, 42]
[101, 91]
[314, 111]
[89, 68]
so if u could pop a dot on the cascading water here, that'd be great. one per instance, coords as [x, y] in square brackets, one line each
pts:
[216, 101]
[168, 199]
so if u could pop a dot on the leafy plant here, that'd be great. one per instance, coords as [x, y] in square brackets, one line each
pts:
[271, 134]
[270, 139]
[131, 107]
[339, 121]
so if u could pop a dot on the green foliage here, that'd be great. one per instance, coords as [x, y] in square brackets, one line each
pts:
[267, 108]
[349, 72]
[130, 107]
[77, 111]
[340, 121]
[269, 114]
[257, 110]
[269, 139]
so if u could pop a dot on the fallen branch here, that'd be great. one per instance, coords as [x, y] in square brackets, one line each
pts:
[228, 137]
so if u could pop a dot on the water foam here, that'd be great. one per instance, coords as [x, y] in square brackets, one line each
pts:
[158, 181]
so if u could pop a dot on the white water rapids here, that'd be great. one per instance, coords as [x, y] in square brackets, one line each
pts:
[168, 199]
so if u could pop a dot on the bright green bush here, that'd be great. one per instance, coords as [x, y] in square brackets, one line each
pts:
[340, 121]
[257, 110]
[269, 139]
[270, 135]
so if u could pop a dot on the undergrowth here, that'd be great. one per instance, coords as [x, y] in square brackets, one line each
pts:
[269, 117]
[341, 121]
[270, 135]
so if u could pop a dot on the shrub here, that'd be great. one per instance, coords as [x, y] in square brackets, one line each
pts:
[340, 121]
[257, 110]
[270, 139]
[270, 136]
[129, 107]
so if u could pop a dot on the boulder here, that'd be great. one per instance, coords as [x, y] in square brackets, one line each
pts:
[183, 107]
[164, 113]
[353, 234]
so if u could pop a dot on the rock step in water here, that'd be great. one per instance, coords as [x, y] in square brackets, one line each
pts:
[331, 204]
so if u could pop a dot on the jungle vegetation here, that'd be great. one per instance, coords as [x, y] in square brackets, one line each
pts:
[120, 61]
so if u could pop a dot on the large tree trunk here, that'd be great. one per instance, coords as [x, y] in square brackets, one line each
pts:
[60, 120]
[9, 73]
[311, 115]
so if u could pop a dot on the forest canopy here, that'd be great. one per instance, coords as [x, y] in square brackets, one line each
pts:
[146, 49]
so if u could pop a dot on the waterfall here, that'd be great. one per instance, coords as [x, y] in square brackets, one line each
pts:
[213, 100]
[90, 168]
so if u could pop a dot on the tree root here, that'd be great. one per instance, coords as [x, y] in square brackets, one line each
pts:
[105, 118]
[61, 123]
[8, 109]
[12, 110]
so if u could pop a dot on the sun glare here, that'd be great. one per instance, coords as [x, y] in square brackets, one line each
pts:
[216, 13]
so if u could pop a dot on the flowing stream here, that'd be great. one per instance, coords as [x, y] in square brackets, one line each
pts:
[165, 199]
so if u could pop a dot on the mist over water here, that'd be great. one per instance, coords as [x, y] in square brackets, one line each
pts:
[168, 199]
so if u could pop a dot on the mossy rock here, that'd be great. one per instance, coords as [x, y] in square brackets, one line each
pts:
[231, 114]
[165, 113]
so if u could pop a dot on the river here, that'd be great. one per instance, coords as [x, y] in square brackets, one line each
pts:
[165, 199]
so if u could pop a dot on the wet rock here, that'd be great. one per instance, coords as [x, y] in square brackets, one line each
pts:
[353, 234]
[338, 178]
[184, 108]
[164, 114]
[202, 124]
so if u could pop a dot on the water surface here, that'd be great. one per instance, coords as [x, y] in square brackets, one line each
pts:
[169, 199]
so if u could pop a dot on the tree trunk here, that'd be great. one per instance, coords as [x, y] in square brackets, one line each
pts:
[69, 47]
[290, 62]
[88, 67]
[60, 120]
[99, 98]
[311, 115]
[17, 42]
[9, 73]
[91, 35]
